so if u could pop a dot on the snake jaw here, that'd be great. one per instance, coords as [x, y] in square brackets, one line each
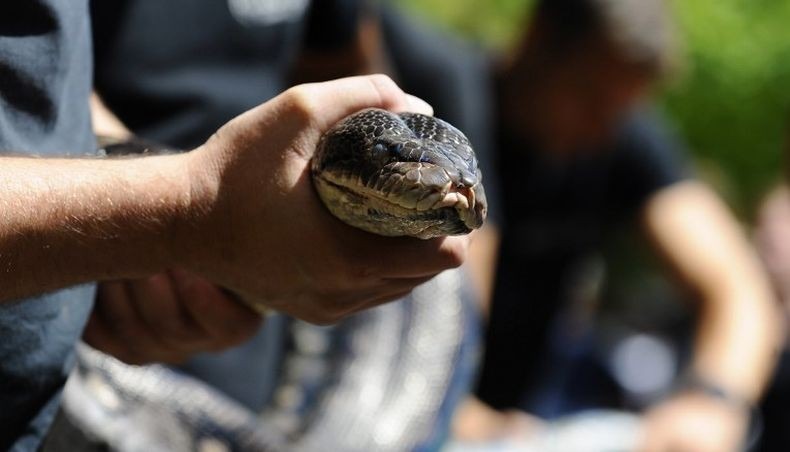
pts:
[448, 209]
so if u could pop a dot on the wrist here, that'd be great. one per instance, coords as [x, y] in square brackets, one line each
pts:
[191, 232]
[184, 193]
[695, 384]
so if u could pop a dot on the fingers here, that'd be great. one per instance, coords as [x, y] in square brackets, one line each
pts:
[402, 257]
[221, 316]
[328, 102]
[97, 334]
[166, 318]
[417, 105]
[157, 304]
[116, 328]
[385, 292]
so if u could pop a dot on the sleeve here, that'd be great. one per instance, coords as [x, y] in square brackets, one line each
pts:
[647, 158]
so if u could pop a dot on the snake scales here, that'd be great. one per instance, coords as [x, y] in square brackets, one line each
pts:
[400, 174]
[388, 373]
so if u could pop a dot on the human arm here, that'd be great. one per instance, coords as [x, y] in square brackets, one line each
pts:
[166, 317]
[772, 236]
[738, 332]
[239, 211]
[476, 422]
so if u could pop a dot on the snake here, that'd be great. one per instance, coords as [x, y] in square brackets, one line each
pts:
[389, 372]
[400, 174]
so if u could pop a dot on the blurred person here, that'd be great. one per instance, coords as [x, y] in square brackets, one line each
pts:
[171, 84]
[161, 223]
[579, 154]
[772, 236]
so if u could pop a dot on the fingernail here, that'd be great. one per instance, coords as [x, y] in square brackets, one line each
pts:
[418, 105]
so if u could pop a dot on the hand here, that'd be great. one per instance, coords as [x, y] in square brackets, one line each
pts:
[166, 318]
[260, 229]
[476, 422]
[692, 422]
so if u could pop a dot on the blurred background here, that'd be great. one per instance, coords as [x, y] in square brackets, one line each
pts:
[574, 330]
[729, 101]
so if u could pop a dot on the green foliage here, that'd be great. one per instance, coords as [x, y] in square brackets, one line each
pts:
[494, 22]
[730, 103]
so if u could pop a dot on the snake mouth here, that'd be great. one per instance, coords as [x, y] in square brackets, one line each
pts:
[401, 201]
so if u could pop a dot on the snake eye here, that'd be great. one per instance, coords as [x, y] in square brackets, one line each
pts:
[379, 148]
[395, 148]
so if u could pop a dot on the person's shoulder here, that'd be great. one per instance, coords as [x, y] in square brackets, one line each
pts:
[645, 121]
[649, 157]
[646, 131]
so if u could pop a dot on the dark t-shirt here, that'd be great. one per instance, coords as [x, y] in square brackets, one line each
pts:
[556, 213]
[45, 81]
[176, 71]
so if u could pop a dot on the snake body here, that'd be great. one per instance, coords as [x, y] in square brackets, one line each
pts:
[403, 174]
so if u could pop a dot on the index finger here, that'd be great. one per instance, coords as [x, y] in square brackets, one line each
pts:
[329, 102]
[406, 257]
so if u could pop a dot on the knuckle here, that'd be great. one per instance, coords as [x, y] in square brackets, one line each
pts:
[389, 94]
[383, 84]
[300, 101]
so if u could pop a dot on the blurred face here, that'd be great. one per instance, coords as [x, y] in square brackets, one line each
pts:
[577, 101]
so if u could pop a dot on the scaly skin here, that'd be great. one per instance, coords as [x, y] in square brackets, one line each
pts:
[400, 175]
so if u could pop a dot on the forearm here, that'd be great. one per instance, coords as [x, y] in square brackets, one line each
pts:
[738, 326]
[69, 221]
[738, 336]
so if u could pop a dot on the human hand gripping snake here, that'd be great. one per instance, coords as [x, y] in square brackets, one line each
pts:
[389, 174]
[403, 174]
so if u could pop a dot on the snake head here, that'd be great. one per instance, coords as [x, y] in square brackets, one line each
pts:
[406, 174]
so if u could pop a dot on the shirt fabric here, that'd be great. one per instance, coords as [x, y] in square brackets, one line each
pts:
[45, 81]
[557, 212]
